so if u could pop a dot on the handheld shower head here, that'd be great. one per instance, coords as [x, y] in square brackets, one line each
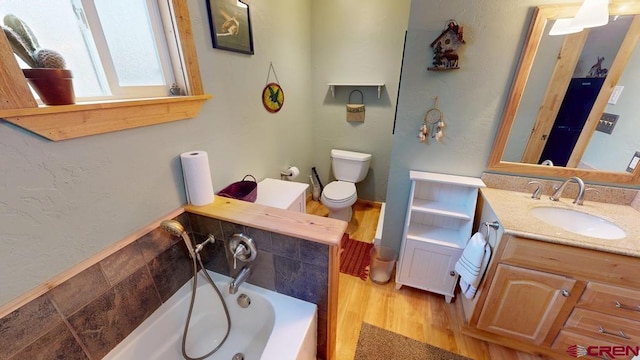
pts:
[174, 228]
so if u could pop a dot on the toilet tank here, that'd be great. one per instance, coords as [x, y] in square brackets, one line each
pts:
[349, 166]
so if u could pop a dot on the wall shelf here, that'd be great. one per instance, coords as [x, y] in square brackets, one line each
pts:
[64, 122]
[333, 85]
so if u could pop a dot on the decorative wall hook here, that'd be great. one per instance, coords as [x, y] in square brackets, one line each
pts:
[445, 47]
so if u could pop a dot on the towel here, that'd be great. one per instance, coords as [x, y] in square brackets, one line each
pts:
[472, 264]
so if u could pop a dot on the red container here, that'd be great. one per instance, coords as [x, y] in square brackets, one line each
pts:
[246, 190]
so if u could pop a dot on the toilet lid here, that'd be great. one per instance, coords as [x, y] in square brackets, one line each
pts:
[339, 190]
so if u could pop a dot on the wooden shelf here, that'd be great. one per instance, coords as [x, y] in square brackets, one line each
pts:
[333, 86]
[72, 121]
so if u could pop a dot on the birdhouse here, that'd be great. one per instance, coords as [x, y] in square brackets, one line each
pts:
[445, 48]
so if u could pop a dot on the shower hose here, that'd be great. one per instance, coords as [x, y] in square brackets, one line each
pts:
[194, 286]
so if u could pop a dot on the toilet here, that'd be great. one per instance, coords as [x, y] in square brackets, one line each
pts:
[348, 168]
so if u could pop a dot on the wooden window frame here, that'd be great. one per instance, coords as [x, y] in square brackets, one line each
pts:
[19, 107]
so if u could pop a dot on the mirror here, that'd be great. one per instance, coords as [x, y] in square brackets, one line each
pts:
[549, 69]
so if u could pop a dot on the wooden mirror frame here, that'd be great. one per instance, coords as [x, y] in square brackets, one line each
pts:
[541, 15]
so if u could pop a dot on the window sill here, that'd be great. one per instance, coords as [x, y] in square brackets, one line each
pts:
[64, 122]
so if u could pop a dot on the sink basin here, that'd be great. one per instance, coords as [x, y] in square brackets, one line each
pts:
[578, 222]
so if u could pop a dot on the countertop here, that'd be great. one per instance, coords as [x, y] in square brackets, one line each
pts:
[303, 226]
[512, 209]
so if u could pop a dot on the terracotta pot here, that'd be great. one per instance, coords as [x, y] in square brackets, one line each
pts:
[54, 86]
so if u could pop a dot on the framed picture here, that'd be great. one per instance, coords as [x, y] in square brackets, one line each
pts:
[230, 25]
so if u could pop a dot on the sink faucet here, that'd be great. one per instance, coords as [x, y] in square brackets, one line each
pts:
[579, 198]
[239, 279]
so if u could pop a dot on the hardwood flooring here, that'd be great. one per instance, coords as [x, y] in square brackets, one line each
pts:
[414, 313]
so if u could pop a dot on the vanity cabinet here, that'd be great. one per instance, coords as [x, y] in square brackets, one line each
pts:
[523, 303]
[438, 225]
[546, 297]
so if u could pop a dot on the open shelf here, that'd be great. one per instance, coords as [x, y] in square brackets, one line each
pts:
[333, 85]
[436, 235]
[435, 207]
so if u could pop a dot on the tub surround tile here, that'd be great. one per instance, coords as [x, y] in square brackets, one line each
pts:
[214, 256]
[58, 343]
[85, 316]
[263, 271]
[105, 322]
[79, 290]
[205, 226]
[284, 245]
[26, 324]
[229, 229]
[300, 280]
[123, 263]
[314, 253]
[262, 238]
[171, 270]
[155, 243]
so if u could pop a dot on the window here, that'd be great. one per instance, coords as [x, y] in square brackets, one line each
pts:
[116, 49]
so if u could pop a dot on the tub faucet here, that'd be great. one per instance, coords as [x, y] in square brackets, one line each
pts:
[242, 276]
[579, 198]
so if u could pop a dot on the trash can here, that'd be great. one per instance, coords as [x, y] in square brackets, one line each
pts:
[382, 261]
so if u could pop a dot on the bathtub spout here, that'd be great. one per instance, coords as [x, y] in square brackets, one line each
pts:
[239, 279]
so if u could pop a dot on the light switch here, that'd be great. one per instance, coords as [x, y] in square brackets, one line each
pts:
[615, 94]
[634, 162]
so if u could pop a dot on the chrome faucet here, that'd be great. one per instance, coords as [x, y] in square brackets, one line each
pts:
[242, 276]
[579, 198]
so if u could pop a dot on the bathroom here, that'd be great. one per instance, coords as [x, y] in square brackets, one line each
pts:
[62, 202]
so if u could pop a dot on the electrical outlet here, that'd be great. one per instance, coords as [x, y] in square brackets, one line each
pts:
[607, 123]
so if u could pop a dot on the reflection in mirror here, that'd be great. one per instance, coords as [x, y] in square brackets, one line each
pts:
[558, 111]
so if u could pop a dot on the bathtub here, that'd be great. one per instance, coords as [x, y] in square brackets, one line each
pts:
[273, 326]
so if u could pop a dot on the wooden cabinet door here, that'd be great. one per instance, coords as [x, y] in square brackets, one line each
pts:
[524, 303]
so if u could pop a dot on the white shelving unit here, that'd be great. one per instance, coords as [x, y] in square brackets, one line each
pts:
[333, 85]
[438, 225]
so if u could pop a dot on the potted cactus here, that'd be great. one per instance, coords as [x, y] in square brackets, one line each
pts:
[48, 76]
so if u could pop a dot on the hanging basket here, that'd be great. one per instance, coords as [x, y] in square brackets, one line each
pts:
[246, 190]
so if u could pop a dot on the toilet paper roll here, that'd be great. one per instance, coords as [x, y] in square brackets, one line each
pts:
[197, 177]
[293, 172]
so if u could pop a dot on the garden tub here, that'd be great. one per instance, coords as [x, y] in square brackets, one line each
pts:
[273, 326]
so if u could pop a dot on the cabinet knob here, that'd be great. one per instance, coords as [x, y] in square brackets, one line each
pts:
[452, 273]
[566, 293]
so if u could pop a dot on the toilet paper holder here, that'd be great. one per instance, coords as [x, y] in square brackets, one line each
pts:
[291, 173]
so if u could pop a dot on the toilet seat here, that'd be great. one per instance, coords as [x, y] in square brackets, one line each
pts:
[338, 192]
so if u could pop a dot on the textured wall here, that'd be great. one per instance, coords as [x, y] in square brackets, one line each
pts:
[356, 41]
[62, 202]
[471, 98]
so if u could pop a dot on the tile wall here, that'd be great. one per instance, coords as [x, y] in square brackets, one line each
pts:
[89, 314]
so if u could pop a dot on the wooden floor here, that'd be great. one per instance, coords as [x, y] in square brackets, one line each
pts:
[414, 313]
